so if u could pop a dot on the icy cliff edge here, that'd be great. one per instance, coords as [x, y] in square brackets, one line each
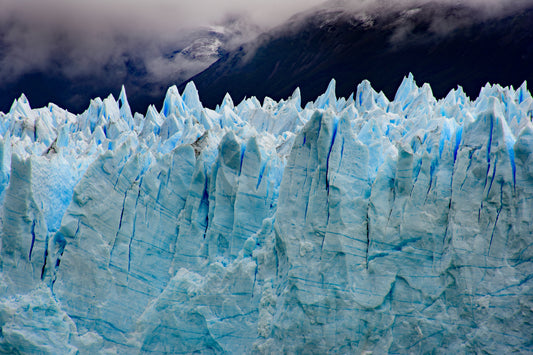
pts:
[345, 226]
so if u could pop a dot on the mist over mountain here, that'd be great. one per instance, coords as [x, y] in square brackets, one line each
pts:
[69, 72]
[443, 44]
[68, 53]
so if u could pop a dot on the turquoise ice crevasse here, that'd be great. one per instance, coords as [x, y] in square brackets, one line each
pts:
[348, 225]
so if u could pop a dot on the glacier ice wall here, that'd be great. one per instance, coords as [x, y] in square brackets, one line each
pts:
[345, 226]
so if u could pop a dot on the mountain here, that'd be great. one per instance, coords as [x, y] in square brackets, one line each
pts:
[441, 44]
[146, 67]
[351, 225]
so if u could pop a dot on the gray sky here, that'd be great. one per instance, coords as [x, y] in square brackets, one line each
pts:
[90, 32]
[95, 32]
[73, 37]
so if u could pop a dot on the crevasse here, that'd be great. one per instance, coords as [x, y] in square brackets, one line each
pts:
[345, 226]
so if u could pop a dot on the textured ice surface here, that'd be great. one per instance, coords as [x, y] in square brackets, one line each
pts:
[346, 226]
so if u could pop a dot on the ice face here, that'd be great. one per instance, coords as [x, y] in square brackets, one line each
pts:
[345, 226]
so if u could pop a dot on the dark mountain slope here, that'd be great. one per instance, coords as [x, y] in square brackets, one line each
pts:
[145, 66]
[444, 46]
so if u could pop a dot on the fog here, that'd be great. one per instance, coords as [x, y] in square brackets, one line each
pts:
[79, 38]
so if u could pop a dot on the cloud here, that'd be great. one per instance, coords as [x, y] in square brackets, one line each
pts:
[79, 36]
[107, 40]
[485, 7]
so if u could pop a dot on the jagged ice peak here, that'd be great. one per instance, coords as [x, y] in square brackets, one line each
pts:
[348, 225]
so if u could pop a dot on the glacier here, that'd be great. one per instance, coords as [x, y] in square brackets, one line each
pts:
[347, 225]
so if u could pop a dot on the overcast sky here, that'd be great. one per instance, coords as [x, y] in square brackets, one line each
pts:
[35, 34]
[73, 37]
[91, 32]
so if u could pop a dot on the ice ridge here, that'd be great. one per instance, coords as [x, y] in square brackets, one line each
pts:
[345, 226]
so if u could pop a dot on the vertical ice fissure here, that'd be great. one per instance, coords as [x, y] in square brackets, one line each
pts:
[367, 236]
[43, 269]
[133, 227]
[119, 224]
[32, 239]
[499, 210]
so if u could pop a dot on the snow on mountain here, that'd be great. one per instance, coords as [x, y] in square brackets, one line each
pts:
[382, 43]
[345, 226]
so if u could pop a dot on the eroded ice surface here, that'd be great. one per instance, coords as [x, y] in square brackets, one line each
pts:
[346, 226]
